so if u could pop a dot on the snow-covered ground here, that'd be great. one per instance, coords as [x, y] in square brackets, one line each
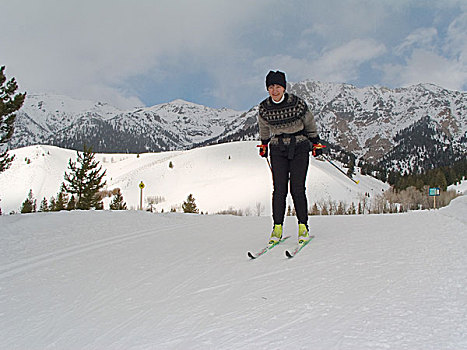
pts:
[219, 177]
[136, 280]
[460, 188]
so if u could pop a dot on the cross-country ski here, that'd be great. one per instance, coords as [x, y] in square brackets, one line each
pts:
[266, 249]
[291, 253]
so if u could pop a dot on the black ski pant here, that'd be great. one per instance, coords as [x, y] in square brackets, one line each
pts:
[295, 170]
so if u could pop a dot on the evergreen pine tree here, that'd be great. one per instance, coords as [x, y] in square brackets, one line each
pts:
[62, 199]
[351, 165]
[29, 204]
[52, 203]
[71, 203]
[85, 180]
[117, 202]
[438, 179]
[189, 206]
[393, 177]
[44, 207]
[9, 104]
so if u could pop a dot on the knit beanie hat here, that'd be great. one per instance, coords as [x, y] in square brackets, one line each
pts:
[276, 77]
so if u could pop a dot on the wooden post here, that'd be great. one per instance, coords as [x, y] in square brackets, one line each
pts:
[434, 192]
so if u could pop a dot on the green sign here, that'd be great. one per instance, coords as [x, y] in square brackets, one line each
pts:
[434, 191]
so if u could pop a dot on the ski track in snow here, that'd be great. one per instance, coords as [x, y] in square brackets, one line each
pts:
[134, 280]
[125, 178]
[26, 264]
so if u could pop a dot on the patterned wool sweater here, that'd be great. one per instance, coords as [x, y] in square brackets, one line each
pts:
[291, 116]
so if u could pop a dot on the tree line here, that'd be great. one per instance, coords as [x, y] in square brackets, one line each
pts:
[81, 189]
[440, 177]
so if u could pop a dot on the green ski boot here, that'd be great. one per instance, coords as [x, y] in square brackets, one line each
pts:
[276, 235]
[303, 234]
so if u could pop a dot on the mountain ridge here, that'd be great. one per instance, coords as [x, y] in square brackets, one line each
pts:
[364, 121]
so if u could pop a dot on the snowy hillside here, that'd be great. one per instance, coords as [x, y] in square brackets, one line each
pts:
[220, 177]
[135, 280]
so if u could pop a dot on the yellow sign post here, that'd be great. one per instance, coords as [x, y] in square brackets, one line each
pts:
[141, 186]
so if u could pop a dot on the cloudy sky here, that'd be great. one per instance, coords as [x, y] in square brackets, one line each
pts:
[217, 53]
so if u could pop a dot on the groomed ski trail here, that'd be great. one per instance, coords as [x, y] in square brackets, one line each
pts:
[366, 282]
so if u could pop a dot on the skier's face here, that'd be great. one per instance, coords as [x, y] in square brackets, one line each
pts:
[276, 92]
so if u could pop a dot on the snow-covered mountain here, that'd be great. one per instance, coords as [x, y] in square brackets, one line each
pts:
[413, 128]
[44, 116]
[220, 177]
[69, 123]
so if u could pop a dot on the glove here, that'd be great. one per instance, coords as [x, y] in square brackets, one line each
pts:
[317, 149]
[263, 150]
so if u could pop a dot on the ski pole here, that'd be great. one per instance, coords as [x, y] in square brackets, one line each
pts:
[342, 171]
[270, 168]
[269, 163]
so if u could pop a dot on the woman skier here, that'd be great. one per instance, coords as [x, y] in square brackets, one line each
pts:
[288, 132]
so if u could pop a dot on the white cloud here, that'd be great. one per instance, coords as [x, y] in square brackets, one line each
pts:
[426, 66]
[421, 37]
[456, 43]
[425, 61]
[340, 64]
